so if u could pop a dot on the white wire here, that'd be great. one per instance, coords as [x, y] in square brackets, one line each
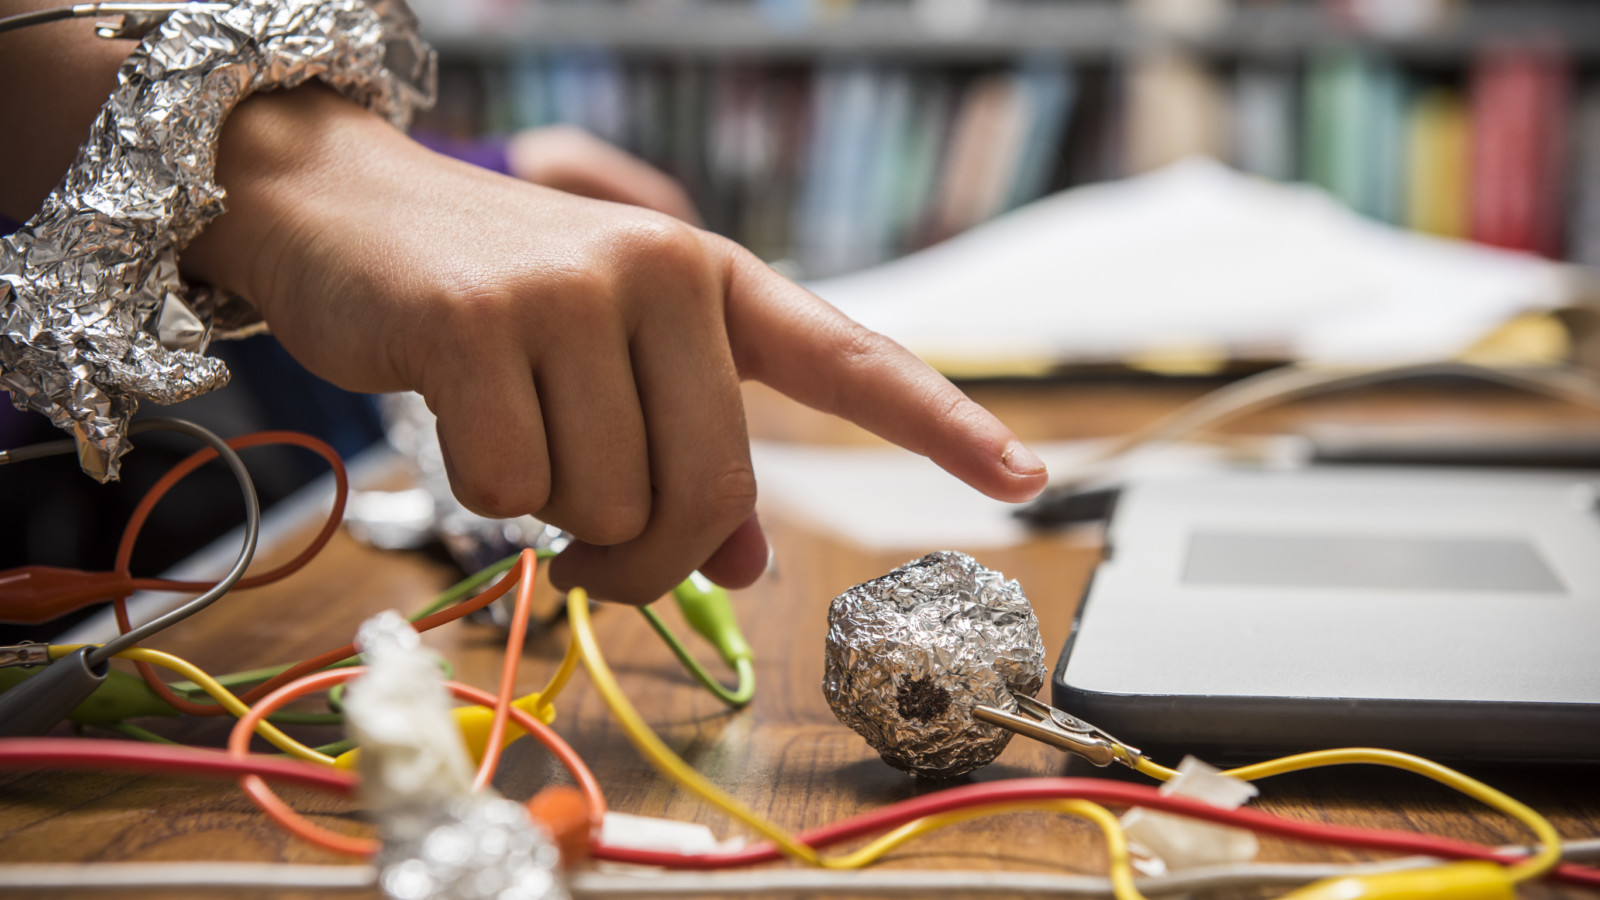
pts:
[128, 876]
[1293, 382]
[917, 883]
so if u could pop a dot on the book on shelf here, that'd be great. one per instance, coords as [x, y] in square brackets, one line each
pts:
[1519, 139]
[1437, 163]
[838, 160]
[1177, 108]
[1264, 139]
[1585, 229]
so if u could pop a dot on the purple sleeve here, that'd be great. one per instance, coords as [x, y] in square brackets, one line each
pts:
[486, 152]
[7, 226]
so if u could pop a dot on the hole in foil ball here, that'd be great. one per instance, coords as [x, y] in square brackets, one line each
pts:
[922, 700]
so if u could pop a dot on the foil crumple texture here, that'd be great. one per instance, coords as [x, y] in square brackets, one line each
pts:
[482, 847]
[94, 316]
[473, 541]
[441, 840]
[911, 653]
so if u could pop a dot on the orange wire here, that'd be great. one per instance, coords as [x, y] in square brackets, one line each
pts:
[284, 815]
[427, 623]
[321, 661]
[528, 567]
[147, 504]
[141, 514]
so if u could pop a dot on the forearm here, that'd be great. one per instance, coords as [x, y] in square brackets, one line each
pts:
[53, 80]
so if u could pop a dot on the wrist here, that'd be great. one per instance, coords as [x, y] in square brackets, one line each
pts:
[283, 158]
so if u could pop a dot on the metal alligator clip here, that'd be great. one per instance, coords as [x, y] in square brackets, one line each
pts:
[135, 20]
[1064, 731]
[27, 653]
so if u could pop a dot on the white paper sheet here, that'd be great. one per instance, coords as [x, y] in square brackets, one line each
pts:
[1195, 255]
[886, 498]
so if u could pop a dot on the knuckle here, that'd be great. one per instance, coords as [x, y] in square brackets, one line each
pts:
[730, 496]
[496, 500]
[861, 346]
[473, 309]
[959, 410]
[580, 301]
[661, 246]
[610, 524]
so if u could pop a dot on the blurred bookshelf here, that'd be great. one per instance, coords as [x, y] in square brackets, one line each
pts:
[897, 29]
[834, 135]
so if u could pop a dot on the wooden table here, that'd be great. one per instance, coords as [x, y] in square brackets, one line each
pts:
[785, 755]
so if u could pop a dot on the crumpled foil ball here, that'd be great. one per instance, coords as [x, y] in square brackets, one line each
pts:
[479, 848]
[910, 654]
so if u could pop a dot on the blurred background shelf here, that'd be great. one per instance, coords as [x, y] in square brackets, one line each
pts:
[831, 135]
[905, 30]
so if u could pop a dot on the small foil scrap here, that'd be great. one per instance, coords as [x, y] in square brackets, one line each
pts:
[403, 520]
[910, 654]
[479, 848]
[94, 316]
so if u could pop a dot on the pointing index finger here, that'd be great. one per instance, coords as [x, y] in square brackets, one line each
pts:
[786, 337]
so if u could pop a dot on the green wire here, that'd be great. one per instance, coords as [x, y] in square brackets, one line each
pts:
[292, 717]
[454, 594]
[133, 731]
[335, 748]
[471, 583]
[150, 737]
[336, 693]
[736, 698]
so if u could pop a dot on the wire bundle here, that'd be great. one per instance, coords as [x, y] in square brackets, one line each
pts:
[887, 829]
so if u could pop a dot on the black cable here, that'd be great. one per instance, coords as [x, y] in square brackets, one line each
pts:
[252, 531]
[142, 13]
[36, 705]
[252, 525]
[38, 17]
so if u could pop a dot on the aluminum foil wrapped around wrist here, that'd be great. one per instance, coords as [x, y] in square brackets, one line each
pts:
[94, 316]
[911, 653]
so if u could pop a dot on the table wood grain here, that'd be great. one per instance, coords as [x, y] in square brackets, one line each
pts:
[785, 755]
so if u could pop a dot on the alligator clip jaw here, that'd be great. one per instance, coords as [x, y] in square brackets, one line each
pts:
[1061, 730]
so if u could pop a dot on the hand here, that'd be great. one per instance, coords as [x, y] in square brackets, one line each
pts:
[583, 357]
[573, 160]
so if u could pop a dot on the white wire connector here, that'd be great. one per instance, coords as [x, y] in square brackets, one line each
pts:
[441, 841]
[1168, 843]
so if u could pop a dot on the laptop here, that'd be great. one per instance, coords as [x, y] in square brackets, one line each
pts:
[1448, 612]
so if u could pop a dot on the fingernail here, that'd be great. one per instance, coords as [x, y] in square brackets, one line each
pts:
[1019, 460]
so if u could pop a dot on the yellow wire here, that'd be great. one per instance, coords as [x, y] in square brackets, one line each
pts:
[668, 763]
[210, 685]
[1535, 866]
[558, 681]
[652, 748]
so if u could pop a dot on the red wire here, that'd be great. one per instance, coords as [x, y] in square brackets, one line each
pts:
[1097, 790]
[82, 753]
[284, 815]
[528, 567]
[75, 753]
[284, 688]
[141, 513]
